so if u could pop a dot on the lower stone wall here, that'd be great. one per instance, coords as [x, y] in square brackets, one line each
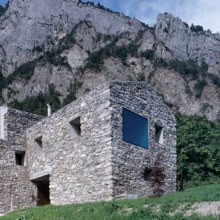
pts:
[16, 190]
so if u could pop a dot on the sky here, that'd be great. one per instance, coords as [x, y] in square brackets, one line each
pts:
[199, 12]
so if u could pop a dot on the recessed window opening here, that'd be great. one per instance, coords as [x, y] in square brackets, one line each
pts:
[39, 141]
[135, 128]
[20, 158]
[147, 173]
[158, 134]
[75, 127]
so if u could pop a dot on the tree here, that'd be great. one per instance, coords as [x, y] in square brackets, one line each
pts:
[198, 151]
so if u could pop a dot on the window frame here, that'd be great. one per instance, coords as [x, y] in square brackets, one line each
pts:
[148, 130]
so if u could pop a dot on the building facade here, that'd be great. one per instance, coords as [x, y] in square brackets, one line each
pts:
[111, 143]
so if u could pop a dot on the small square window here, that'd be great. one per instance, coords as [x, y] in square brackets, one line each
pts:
[39, 142]
[158, 134]
[135, 128]
[147, 173]
[75, 127]
[20, 158]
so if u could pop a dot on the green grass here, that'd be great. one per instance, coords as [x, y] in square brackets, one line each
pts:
[142, 208]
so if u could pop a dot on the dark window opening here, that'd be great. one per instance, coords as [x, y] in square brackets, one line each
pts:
[39, 141]
[147, 173]
[158, 134]
[20, 158]
[75, 127]
[135, 128]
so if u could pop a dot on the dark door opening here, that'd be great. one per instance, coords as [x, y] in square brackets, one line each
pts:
[43, 194]
[43, 190]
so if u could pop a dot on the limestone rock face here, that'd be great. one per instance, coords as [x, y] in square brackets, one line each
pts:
[28, 23]
[186, 44]
[71, 42]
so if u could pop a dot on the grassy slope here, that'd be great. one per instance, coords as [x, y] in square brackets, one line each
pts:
[143, 208]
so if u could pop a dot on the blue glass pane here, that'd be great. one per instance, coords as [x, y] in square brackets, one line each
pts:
[135, 128]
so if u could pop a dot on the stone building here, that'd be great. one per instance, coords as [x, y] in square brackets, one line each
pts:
[108, 144]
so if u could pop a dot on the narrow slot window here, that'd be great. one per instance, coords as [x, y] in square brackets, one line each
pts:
[158, 134]
[147, 173]
[75, 127]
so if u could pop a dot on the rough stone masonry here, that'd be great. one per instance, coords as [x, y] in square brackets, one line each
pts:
[80, 152]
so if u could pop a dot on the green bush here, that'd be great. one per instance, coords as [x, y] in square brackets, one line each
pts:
[196, 28]
[148, 54]
[25, 71]
[198, 151]
[53, 57]
[96, 59]
[160, 62]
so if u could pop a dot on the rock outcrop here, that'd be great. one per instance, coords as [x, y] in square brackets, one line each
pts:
[76, 46]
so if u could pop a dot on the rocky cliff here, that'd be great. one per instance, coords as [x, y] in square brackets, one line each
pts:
[64, 48]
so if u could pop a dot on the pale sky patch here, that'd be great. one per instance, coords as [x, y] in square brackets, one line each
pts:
[199, 12]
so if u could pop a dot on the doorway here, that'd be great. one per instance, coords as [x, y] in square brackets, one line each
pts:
[43, 194]
[43, 190]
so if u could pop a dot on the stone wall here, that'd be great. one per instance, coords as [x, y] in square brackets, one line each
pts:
[79, 167]
[16, 191]
[81, 149]
[129, 160]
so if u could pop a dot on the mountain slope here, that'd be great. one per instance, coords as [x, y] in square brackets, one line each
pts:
[74, 46]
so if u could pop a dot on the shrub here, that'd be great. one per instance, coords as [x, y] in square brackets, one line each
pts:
[96, 59]
[37, 49]
[160, 62]
[189, 68]
[148, 54]
[53, 57]
[25, 71]
[196, 28]
[198, 152]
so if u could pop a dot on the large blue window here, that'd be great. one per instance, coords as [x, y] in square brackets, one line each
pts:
[135, 129]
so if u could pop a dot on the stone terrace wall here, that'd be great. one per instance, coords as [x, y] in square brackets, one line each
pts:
[129, 160]
[15, 187]
[80, 167]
